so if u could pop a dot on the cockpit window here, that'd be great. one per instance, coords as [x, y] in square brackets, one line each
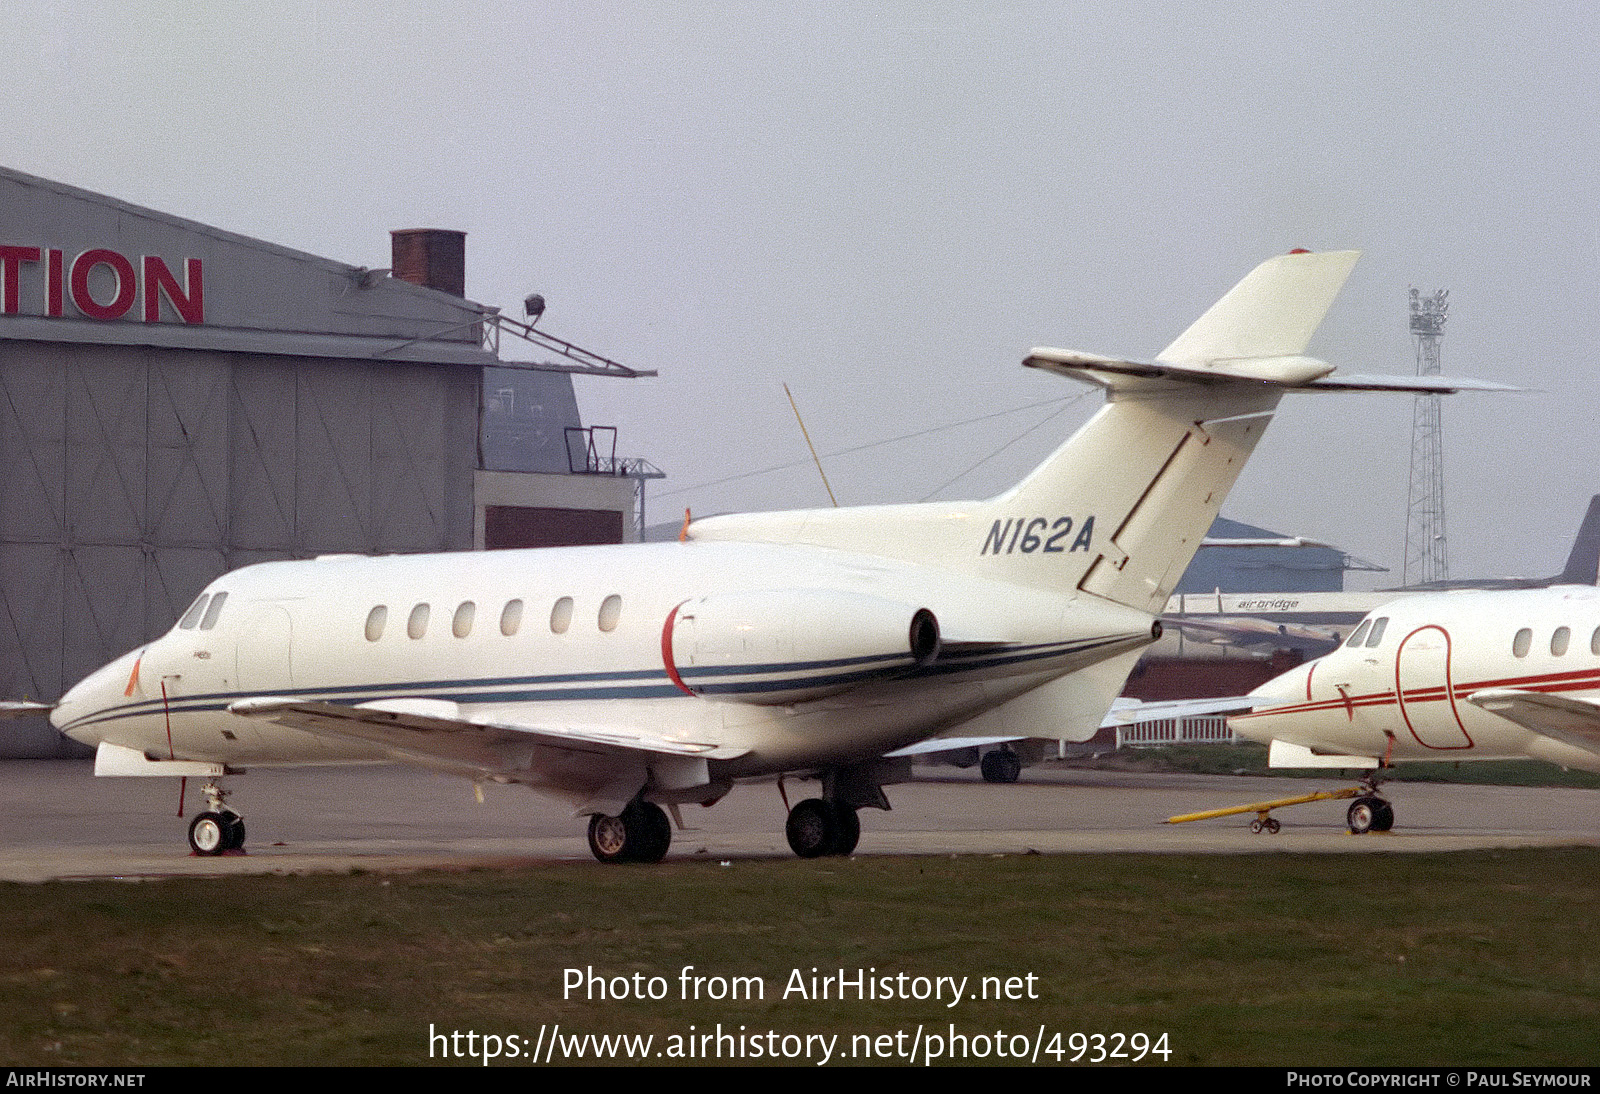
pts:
[210, 618]
[192, 616]
[1361, 634]
[1377, 631]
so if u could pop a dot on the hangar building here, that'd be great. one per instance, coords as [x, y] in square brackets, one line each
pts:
[177, 401]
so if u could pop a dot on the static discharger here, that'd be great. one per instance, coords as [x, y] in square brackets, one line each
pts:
[1265, 821]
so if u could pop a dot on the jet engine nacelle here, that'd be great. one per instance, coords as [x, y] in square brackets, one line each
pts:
[790, 645]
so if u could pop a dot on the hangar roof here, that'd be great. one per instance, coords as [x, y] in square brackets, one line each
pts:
[77, 266]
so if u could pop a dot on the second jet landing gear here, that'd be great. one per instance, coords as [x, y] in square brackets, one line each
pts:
[641, 834]
[219, 829]
[1369, 813]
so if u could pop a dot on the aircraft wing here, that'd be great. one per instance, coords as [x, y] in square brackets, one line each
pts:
[1252, 631]
[1571, 721]
[433, 731]
[935, 745]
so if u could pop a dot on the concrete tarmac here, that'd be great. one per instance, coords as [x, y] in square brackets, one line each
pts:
[57, 821]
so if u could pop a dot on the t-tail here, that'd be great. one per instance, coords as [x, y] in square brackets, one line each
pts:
[1119, 509]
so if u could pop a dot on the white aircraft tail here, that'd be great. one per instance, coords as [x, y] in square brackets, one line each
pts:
[1119, 510]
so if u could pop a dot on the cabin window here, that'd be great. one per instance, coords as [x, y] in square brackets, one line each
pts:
[1559, 640]
[1522, 642]
[461, 623]
[1594, 642]
[561, 615]
[376, 619]
[511, 618]
[610, 612]
[192, 616]
[209, 620]
[1377, 631]
[417, 624]
[1361, 634]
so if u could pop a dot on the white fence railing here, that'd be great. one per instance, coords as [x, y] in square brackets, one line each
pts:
[1210, 729]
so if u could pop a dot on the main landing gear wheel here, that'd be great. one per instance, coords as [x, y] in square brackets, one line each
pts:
[1001, 766]
[1369, 814]
[817, 827]
[641, 834]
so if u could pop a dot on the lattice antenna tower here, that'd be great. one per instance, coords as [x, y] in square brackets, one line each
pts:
[1427, 553]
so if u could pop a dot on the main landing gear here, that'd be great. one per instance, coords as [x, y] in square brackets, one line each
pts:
[641, 834]
[219, 829]
[818, 827]
[829, 825]
[1001, 766]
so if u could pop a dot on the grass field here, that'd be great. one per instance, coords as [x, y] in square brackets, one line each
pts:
[1470, 958]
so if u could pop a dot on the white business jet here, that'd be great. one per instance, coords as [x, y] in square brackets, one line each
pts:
[1469, 675]
[815, 643]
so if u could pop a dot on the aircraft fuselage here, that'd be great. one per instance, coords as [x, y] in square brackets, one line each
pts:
[1404, 691]
[751, 647]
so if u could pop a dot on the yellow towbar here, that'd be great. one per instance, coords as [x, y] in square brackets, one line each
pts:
[1264, 821]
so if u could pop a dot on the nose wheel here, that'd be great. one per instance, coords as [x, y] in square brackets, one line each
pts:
[219, 829]
[1369, 813]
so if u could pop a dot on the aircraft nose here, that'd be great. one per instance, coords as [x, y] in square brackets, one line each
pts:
[1287, 687]
[1280, 691]
[102, 688]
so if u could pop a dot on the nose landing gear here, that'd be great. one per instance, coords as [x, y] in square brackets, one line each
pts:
[218, 830]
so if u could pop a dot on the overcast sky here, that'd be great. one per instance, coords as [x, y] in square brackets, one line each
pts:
[886, 204]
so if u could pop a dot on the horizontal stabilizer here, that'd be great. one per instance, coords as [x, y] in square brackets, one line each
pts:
[23, 708]
[1575, 722]
[1291, 373]
[1421, 385]
[1291, 370]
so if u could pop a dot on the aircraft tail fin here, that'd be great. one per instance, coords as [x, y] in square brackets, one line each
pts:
[1583, 563]
[1119, 509]
[1273, 312]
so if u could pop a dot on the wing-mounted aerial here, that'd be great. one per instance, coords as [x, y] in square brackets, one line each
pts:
[599, 767]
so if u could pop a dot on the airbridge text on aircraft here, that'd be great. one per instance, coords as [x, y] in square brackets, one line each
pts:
[816, 986]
